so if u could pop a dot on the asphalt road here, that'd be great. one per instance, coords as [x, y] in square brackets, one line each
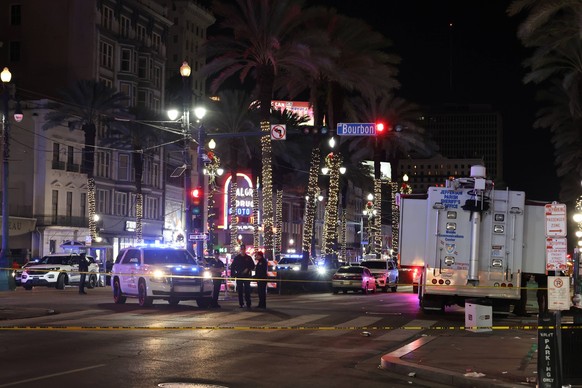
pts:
[301, 340]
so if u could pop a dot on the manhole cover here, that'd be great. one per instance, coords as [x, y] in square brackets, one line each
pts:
[189, 385]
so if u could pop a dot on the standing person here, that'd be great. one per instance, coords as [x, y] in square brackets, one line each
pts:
[241, 267]
[261, 275]
[216, 267]
[542, 292]
[83, 269]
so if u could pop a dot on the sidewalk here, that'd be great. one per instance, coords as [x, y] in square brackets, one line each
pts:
[498, 358]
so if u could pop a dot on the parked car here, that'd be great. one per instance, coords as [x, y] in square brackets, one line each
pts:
[58, 270]
[385, 272]
[353, 278]
[149, 273]
[293, 263]
[17, 273]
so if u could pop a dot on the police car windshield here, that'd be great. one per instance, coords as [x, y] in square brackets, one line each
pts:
[290, 260]
[55, 260]
[167, 256]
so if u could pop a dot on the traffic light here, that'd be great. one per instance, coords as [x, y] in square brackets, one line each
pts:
[197, 201]
[314, 130]
[381, 128]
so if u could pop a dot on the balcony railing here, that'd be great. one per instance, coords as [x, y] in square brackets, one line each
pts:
[58, 165]
[49, 220]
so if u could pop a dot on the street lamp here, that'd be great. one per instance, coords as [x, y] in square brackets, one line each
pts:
[213, 170]
[6, 76]
[185, 71]
[200, 112]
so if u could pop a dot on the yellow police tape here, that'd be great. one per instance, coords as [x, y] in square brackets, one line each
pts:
[276, 328]
[280, 280]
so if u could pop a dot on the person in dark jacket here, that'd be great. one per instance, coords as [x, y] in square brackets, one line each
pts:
[241, 269]
[217, 268]
[261, 275]
[83, 269]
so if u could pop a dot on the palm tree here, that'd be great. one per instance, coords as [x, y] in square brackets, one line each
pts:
[553, 30]
[232, 114]
[266, 38]
[142, 138]
[358, 61]
[404, 135]
[84, 105]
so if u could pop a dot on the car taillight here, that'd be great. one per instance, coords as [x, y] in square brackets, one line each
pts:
[335, 277]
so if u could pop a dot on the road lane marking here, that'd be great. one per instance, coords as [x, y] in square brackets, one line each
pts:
[52, 375]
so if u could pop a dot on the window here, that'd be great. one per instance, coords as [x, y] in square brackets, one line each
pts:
[152, 208]
[141, 33]
[132, 203]
[15, 14]
[123, 167]
[69, 209]
[125, 27]
[15, 51]
[83, 206]
[142, 67]
[103, 162]
[56, 147]
[156, 175]
[120, 204]
[125, 60]
[55, 206]
[127, 89]
[157, 76]
[106, 17]
[106, 55]
[102, 201]
[156, 40]
[106, 81]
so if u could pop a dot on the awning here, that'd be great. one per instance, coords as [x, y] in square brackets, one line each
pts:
[18, 226]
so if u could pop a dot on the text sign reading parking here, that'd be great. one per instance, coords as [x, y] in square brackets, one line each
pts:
[356, 129]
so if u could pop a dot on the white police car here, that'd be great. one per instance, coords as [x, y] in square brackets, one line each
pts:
[149, 273]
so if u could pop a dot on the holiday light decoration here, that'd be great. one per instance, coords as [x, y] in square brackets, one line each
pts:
[91, 208]
[278, 235]
[256, 229]
[405, 188]
[267, 172]
[310, 203]
[377, 222]
[330, 234]
[395, 218]
[138, 218]
[369, 211]
[233, 218]
[343, 236]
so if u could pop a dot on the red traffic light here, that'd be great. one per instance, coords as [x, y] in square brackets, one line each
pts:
[380, 128]
[196, 193]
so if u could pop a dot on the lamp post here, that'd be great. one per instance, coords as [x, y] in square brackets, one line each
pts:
[6, 76]
[200, 112]
[213, 170]
[185, 71]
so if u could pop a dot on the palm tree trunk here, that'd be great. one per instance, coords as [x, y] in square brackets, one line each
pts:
[138, 166]
[265, 80]
[310, 206]
[89, 169]
[331, 208]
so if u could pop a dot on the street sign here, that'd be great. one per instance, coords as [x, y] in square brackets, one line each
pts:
[198, 237]
[278, 132]
[555, 220]
[356, 129]
[558, 293]
[556, 251]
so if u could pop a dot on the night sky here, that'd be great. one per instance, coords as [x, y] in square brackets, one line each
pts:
[486, 59]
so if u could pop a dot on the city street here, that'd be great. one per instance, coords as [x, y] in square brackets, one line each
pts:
[304, 339]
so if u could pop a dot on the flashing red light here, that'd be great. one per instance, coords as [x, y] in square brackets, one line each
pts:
[380, 127]
[196, 193]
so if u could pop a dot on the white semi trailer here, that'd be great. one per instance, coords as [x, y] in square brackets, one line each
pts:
[467, 240]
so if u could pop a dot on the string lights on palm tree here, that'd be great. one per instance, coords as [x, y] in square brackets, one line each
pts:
[233, 217]
[310, 200]
[377, 221]
[333, 163]
[256, 228]
[278, 236]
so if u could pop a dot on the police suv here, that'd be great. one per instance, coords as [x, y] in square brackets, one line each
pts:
[149, 273]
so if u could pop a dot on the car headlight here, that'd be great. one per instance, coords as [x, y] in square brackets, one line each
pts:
[321, 270]
[296, 268]
[207, 274]
[158, 276]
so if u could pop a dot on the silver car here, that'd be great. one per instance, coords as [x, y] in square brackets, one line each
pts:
[353, 278]
[385, 272]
